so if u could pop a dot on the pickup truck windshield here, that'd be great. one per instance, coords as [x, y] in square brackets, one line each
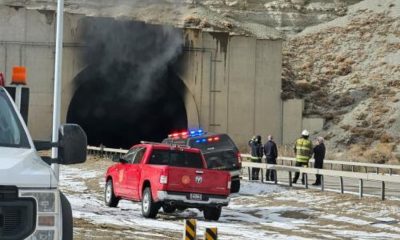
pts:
[12, 133]
[176, 158]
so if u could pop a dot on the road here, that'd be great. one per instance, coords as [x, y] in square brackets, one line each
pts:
[259, 211]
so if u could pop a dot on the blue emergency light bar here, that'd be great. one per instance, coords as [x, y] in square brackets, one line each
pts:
[186, 134]
[210, 139]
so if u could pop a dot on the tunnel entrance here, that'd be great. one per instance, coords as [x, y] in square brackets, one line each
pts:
[129, 91]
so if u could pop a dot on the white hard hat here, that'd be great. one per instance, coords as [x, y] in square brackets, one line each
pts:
[305, 133]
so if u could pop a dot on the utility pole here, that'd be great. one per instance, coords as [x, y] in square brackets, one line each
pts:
[57, 83]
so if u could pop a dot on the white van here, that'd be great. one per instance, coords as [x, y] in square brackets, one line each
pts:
[31, 205]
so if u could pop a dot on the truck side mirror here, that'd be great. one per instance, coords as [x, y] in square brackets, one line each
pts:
[116, 158]
[72, 144]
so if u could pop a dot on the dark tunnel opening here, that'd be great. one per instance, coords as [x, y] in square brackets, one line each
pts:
[129, 91]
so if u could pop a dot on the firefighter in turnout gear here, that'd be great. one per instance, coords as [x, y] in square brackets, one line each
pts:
[303, 150]
[256, 155]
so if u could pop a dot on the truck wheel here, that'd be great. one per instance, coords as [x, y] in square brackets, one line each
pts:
[149, 208]
[109, 196]
[67, 224]
[212, 213]
[235, 186]
[169, 208]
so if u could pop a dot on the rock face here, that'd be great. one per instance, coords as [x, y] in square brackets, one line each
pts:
[348, 71]
[262, 18]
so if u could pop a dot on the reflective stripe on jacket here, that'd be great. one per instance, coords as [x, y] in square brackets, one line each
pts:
[303, 149]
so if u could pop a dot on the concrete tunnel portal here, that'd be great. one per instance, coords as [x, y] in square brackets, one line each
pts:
[129, 90]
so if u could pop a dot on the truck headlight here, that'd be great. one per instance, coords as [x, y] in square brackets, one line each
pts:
[45, 200]
[48, 222]
[43, 235]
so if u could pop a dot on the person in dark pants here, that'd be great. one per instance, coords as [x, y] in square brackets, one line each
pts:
[256, 155]
[271, 153]
[303, 150]
[319, 155]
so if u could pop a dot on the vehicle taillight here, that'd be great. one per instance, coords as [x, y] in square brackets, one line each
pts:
[2, 81]
[239, 157]
[229, 184]
[163, 179]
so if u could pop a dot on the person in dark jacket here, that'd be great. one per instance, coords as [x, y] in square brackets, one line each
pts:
[319, 155]
[256, 155]
[271, 153]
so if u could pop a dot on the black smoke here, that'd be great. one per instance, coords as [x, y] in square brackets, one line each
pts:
[129, 91]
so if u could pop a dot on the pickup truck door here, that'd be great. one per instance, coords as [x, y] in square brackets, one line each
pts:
[121, 170]
[133, 174]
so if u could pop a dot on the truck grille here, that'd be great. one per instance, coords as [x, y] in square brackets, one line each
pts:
[17, 217]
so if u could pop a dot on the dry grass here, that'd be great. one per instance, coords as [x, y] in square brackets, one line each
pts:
[345, 127]
[346, 100]
[362, 132]
[303, 86]
[381, 154]
[192, 20]
[386, 138]
[362, 116]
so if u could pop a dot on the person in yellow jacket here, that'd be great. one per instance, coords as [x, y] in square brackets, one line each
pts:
[303, 150]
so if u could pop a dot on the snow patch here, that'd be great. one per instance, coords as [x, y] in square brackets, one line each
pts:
[254, 188]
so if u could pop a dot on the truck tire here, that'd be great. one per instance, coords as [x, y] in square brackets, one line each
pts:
[149, 207]
[67, 223]
[212, 213]
[235, 186]
[169, 208]
[109, 197]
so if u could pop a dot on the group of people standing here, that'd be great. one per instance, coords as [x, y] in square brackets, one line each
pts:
[258, 150]
[303, 149]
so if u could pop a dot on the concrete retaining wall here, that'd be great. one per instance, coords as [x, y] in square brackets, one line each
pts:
[27, 38]
[235, 81]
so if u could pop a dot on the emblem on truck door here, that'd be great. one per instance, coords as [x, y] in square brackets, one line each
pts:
[199, 179]
[185, 179]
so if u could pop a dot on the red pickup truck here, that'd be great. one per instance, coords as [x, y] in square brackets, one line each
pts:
[167, 176]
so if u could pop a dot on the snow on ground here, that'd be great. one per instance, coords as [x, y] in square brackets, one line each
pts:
[259, 211]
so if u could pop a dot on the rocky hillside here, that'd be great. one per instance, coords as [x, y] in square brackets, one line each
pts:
[348, 71]
[261, 18]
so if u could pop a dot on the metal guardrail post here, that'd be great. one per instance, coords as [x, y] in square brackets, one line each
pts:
[262, 175]
[276, 176]
[383, 191]
[352, 168]
[377, 170]
[290, 179]
[390, 171]
[249, 172]
[366, 169]
[305, 180]
[341, 185]
[361, 188]
[322, 183]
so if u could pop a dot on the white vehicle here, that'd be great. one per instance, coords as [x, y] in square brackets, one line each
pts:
[31, 206]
